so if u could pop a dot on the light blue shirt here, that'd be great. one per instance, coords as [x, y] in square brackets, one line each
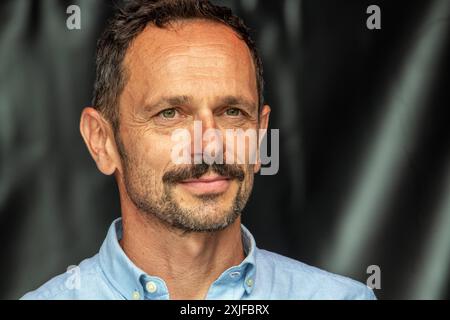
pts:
[110, 274]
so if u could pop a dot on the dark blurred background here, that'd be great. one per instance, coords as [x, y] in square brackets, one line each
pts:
[364, 173]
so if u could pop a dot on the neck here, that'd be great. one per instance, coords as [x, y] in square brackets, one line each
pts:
[189, 262]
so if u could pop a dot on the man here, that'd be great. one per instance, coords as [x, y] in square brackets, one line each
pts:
[164, 66]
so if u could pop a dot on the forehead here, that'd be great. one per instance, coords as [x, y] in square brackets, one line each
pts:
[194, 56]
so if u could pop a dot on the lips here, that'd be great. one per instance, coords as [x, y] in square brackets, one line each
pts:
[212, 184]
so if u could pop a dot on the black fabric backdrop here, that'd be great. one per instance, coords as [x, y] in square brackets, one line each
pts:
[364, 173]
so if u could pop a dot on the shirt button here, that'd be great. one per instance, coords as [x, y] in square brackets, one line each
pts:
[151, 287]
[136, 295]
[249, 282]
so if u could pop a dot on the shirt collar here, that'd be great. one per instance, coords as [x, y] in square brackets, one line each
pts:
[134, 283]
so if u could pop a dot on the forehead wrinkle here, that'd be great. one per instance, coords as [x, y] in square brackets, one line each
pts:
[196, 37]
[213, 67]
[152, 56]
[190, 56]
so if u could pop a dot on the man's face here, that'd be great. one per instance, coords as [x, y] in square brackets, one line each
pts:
[193, 71]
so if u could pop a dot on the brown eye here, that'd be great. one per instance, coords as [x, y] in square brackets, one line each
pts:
[233, 112]
[168, 113]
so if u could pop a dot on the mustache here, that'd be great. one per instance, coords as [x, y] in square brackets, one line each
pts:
[195, 171]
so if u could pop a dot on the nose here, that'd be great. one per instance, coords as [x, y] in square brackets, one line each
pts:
[206, 117]
[207, 142]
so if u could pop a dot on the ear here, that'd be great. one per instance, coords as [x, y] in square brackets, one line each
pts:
[99, 138]
[263, 125]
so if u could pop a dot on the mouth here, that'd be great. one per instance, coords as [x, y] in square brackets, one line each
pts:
[210, 184]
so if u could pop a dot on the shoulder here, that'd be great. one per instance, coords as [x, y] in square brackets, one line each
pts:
[297, 280]
[84, 281]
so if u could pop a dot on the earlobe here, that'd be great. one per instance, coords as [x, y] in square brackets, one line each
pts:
[97, 135]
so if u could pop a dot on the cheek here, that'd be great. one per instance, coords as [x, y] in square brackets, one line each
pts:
[155, 153]
[149, 158]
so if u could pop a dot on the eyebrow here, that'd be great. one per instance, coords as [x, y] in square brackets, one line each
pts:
[175, 101]
[236, 101]
[172, 101]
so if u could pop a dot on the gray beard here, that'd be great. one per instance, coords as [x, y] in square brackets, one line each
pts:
[167, 210]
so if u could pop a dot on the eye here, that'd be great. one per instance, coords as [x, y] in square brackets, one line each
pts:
[168, 113]
[233, 112]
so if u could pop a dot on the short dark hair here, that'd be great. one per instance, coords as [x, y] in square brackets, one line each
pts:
[130, 20]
